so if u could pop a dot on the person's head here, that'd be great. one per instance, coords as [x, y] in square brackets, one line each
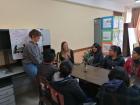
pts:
[35, 35]
[65, 68]
[120, 74]
[64, 46]
[115, 51]
[96, 48]
[136, 53]
[49, 55]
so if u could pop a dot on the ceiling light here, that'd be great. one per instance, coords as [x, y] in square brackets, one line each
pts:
[137, 1]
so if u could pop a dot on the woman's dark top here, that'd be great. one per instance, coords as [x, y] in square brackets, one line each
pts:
[109, 63]
[97, 59]
[71, 57]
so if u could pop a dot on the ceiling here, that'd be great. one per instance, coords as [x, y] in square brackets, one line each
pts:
[115, 5]
[127, 3]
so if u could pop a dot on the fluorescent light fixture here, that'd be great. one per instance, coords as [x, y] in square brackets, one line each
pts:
[137, 1]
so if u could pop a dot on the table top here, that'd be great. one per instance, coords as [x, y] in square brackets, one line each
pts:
[13, 71]
[91, 74]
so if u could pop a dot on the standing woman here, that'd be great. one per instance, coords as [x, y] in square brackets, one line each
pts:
[32, 56]
[66, 53]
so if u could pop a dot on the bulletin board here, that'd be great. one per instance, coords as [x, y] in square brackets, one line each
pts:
[107, 22]
[107, 35]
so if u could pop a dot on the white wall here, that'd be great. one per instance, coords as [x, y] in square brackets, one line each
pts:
[66, 21]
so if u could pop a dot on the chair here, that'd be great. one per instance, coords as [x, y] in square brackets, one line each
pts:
[57, 97]
[44, 92]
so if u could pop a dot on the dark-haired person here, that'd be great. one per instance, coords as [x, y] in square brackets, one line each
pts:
[96, 56]
[114, 58]
[117, 91]
[66, 85]
[66, 53]
[132, 65]
[47, 68]
[32, 56]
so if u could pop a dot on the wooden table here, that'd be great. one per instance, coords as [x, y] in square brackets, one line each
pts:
[91, 74]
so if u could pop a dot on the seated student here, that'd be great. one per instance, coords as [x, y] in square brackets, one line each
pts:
[47, 68]
[66, 53]
[66, 85]
[95, 55]
[115, 58]
[132, 65]
[117, 90]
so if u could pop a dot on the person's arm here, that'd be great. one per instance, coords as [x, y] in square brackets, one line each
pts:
[99, 61]
[34, 56]
[72, 56]
[119, 62]
[60, 57]
[103, 62]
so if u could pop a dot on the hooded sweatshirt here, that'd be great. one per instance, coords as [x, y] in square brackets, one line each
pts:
[69, 87]
[115, 92]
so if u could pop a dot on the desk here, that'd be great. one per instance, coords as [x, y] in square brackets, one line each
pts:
[13, 71]
[93, 75]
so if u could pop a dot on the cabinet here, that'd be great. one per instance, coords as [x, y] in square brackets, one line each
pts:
[7, 96]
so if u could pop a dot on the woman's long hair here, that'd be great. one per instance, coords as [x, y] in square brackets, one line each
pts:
[99, 49]
[116, 49]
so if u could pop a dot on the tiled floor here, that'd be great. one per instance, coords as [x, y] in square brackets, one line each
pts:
[28, 98]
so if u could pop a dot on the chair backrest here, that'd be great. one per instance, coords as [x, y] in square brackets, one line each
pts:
[61, 99]
[118, 99]
[43, 83]
[57, 97]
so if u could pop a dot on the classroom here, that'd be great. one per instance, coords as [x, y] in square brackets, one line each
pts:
[70, 52]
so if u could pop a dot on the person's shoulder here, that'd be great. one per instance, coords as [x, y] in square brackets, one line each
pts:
[129, 59]
[134, 91]
[29, 44]
[73, 82]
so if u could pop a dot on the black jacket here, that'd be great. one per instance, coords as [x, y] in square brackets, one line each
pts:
[69, 87]
[47, 71]
[97, 59]
[115, 92]
[109, 63]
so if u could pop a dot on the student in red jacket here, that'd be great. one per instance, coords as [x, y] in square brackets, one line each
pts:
[132, 65]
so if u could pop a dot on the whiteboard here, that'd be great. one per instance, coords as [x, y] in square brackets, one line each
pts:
[19, 37]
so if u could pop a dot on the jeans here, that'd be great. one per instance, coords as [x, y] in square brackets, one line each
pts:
[30, 69]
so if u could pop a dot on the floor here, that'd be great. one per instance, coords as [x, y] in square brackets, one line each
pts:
[28, 98]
